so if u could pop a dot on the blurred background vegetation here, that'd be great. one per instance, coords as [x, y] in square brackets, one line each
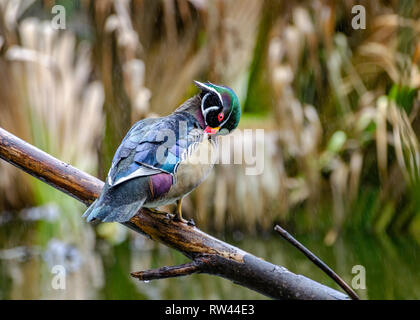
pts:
[340, 109]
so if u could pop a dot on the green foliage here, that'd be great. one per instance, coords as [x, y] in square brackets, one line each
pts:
[118, 283]
[403, 96]
[336, 142]
[258, 97]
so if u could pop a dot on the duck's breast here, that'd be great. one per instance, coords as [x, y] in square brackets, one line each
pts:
[191, 172]
[194, 169]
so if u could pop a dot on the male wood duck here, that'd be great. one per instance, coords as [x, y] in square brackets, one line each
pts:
[160, 160]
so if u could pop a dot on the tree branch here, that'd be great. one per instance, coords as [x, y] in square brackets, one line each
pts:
[185, 269]
[209, 254]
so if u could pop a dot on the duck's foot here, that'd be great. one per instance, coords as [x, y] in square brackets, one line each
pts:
[178, 217]
[178, 212]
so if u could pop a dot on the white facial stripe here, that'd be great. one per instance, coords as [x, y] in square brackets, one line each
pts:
[210, 109]
[204, 112]
[208, 88]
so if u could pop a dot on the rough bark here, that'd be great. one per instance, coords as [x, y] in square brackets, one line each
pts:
[208, 254]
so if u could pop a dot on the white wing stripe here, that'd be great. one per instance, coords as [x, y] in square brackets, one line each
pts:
[140, 172]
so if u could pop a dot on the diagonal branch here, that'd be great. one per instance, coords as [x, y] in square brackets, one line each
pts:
[213, 256]
[318, 262]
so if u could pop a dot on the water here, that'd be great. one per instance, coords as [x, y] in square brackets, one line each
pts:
[103, 272]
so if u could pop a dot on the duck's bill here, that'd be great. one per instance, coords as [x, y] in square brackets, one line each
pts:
[211, 130]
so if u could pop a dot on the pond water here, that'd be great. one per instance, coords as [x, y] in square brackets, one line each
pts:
[390, 266]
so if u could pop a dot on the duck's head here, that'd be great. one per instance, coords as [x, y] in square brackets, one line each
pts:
[220, 108]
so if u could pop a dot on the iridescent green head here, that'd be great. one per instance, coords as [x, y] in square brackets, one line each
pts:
[220, 108]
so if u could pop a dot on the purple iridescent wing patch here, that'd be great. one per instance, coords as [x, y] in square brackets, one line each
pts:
[160, 184]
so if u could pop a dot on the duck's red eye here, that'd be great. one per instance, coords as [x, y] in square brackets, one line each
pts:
[220, 116]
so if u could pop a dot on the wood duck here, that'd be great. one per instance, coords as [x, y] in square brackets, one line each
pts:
[160, 160]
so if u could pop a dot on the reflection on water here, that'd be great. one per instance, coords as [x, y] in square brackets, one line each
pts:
[103, 271]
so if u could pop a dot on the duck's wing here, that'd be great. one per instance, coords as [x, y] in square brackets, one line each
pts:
[154, 146]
